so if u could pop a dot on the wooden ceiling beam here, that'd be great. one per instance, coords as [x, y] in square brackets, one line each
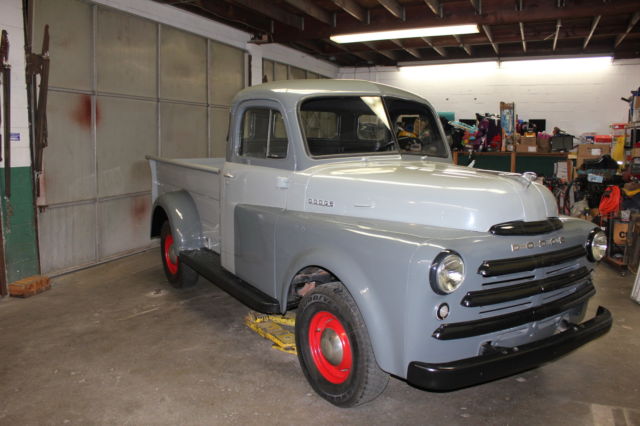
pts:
[594, 25]
[436, 7]
[487, 32]
[381, 20]
[524, 40]
[632, 22]
[229, 12]
[362, 55]
[576, 36]
[464, 46]
[384, 53]
[477, 6]
[273, 12]
[439, 50]
[555, 36]
[394, 8]
[353, 9]
[409, 50]
[305, 6]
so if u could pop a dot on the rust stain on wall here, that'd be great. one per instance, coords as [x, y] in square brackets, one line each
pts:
[140, 208]
[82, 112]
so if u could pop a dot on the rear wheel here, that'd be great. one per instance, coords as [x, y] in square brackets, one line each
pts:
[178, 274]
[334, 348]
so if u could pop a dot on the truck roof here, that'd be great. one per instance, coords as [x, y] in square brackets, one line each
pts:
[290, 92]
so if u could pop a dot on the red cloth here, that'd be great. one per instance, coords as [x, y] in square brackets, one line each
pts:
[610, 201]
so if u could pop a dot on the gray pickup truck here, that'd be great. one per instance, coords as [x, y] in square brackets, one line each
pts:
[338, 199]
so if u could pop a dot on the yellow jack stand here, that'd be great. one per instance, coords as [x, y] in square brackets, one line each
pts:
[277, 328]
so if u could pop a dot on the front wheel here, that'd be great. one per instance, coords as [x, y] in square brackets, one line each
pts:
[334, 348]
[178, 274]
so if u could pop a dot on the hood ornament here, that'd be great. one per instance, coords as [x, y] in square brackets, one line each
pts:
[525, 178]
[529, 177]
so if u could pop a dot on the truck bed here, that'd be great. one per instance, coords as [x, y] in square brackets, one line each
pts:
[200, 177]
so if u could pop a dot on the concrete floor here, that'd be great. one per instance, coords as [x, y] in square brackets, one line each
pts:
[115, 344]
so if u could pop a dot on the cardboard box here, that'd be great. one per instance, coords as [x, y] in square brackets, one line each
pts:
[526, 148]
[544, 144]
[620, 230]
[591, 151]
[635, 152]
[528, 140]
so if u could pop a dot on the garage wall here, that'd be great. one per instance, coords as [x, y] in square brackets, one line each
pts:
[577, 96]
[121, 87]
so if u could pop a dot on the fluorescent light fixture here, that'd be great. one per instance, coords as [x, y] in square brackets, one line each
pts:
[450, 71]
[408, 33]
[556, 66]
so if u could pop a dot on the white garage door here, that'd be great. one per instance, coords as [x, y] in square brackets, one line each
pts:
[121, 87]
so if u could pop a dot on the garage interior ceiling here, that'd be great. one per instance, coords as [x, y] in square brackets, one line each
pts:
[508, 28]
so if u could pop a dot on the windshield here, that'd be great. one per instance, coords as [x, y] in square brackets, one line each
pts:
[356, 125]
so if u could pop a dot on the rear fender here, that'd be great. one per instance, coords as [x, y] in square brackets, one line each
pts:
[180, 210]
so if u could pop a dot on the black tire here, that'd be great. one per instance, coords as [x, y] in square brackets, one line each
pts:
[178, 274]
[337, 323]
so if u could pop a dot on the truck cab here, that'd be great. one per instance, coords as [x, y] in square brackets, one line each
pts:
[338, 199]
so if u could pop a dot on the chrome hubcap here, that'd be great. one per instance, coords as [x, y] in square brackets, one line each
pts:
[331, 346]
[173, 256]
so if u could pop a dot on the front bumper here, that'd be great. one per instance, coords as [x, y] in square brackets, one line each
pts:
[502, 362]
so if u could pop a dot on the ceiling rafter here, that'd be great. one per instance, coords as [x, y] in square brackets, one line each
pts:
[464, 46]
[524, 40]
[409, 50]
[353, 9]
[632, 22]
[223, 11]
[439, 50]
[272, 12]
[306, 6]
[416, 17]
[508, 28]
[555, 36]
[381, 52]
[394, 8]
[436, 7]
[487, 32]
[477, 6]
[594, 25]
[362, 55]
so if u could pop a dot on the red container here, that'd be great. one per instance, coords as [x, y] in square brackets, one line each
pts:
[603, 139]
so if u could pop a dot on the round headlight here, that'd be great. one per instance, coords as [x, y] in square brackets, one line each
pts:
[446, 273]
[596, 245]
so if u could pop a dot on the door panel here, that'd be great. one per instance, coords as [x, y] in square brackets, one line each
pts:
[257, 176]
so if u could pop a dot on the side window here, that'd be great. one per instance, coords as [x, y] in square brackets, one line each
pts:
[263, 134]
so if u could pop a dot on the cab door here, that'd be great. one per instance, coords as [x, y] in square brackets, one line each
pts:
[254, 194]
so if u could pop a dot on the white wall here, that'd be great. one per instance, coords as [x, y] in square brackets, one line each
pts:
[11, 21]
[577, 96]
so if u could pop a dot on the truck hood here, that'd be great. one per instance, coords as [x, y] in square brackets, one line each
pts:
[427, 193]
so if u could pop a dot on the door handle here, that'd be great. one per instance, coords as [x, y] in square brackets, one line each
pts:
[229, 175]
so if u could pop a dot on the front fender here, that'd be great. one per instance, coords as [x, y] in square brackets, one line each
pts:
[180, 210]
[371, 262]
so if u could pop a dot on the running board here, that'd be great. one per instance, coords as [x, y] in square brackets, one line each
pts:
[207, 263]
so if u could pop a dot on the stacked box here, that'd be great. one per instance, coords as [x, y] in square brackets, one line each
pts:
[591, 151]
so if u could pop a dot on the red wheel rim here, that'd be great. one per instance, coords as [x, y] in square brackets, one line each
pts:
[171, 266]
[326, 324]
